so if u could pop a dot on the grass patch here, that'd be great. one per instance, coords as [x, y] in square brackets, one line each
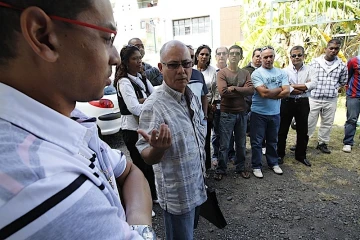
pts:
[327, 197]
[321, 174]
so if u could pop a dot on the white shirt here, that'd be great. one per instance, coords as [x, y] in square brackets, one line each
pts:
[129, 122]
[305, 75]
[42, 153]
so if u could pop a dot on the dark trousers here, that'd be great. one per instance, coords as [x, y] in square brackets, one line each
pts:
[130, 138]
[299, 109]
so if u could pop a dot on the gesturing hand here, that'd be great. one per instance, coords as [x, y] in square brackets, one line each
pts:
[158, 139]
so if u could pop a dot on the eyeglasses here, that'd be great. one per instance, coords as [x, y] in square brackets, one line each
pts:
[221, 53]
[267, 47]
[110, 40]
[131, 46]
[296, 55]
[174, 66]
[234, 54]
[139, 46]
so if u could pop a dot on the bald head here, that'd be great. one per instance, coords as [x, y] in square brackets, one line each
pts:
[172, 45]
[139, 44]
[175, 65]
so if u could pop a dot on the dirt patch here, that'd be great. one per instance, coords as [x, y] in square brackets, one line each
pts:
[321, 202]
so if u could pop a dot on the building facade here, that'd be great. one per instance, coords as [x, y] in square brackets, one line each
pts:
[194, 22]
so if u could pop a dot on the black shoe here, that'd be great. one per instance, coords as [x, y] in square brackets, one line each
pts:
[323, 148]
[281, 160]
[293, 148]
[305, 162]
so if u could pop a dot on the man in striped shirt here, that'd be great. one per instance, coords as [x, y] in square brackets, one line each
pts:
[352, 103]
[173, 139]
[331, 74]
[58, 180]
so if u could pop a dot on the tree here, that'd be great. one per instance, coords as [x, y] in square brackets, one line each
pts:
[292, 29]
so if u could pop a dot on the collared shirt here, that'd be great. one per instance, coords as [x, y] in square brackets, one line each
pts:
[179, 175]
[353, 89]
[129, 122]
[197, 84]
[209, 75]
[43, 153]
[330, 78]
[305, 75]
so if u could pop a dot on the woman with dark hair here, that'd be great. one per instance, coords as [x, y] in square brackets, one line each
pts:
[132, 89]
[202, 63]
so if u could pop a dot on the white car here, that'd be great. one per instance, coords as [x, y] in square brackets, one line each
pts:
[106, 110]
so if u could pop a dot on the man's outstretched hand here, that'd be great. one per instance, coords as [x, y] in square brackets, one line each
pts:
[159, 141]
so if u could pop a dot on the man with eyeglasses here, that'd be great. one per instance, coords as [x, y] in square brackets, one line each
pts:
[173, 141]
[221, 56]
[271, 84]
[58, 179]
[331, 74]
[233, 85]
[302, 80]
[152, 73]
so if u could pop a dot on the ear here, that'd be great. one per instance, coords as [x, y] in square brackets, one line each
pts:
[160, 67]
[38, 31]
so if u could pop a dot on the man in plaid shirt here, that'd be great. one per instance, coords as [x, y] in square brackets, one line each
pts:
[332, 74]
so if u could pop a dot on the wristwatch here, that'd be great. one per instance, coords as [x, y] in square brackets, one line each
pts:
[146, 231]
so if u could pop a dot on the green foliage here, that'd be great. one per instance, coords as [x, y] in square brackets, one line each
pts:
[258, 32]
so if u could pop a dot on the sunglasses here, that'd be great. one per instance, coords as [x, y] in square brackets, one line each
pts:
[110, 40]
[174, 66]
[234, 54]
[221, 53]
[266, 47]
[296, 55]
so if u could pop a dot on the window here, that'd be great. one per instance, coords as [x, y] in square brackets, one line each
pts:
[191, 26]
[147, 3]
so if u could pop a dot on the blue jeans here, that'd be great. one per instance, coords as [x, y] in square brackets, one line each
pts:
[180, 227]
[216, 137]
[264, 126]
[352, 116]
[230, 123]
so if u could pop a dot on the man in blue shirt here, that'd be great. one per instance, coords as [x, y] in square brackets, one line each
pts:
[271, 84]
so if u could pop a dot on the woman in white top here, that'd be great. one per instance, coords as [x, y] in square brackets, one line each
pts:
[132, 89]
[202, 63]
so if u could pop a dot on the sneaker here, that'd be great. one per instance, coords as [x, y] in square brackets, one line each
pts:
[347, 148]
[277, 169]
[323, 148]
[263, 151]
[153, 214]
[257, 173]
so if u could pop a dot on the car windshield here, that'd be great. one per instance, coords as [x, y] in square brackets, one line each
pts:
[109, 90]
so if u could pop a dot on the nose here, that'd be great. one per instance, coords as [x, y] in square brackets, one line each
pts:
[114, 57]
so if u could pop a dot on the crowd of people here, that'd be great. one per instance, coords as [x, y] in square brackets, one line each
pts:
[59, 180]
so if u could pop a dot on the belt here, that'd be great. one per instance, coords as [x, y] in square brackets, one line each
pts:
[300, 99]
